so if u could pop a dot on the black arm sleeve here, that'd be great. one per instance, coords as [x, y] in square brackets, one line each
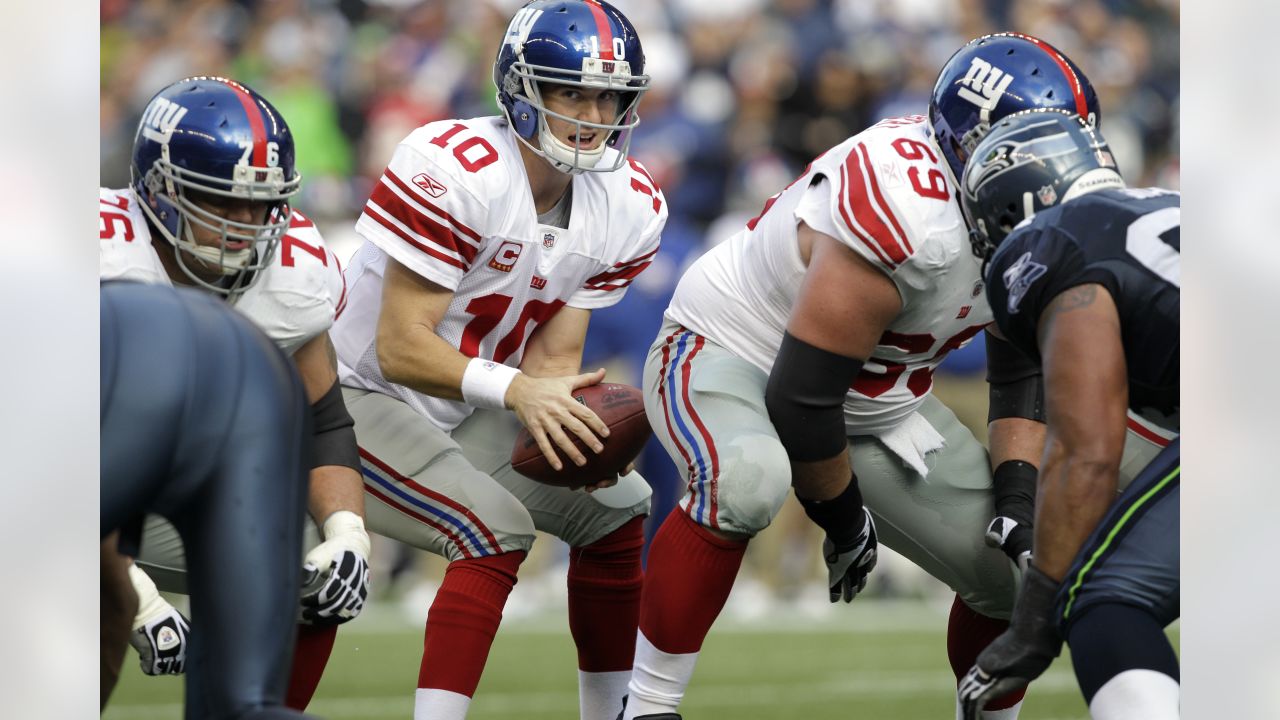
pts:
[1017, 385]
[805, 399]
[335, 435]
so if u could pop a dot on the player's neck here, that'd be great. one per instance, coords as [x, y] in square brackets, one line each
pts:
[546, 184]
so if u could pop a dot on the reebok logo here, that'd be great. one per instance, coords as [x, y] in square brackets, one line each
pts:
[983, 85]
[430, 185]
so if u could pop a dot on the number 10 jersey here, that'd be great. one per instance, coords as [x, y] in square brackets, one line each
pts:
[454, 207]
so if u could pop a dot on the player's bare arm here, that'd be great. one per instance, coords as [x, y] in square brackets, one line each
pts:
[1086, 395]
[333, 487]
[843, 307]
[410, 352]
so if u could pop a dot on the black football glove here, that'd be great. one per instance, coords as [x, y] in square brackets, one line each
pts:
[1022, 653]
[848, 567]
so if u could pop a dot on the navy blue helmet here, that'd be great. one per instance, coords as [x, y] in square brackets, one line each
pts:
[205, 142]
[1028, 162]
[583, 43]
[995, 76]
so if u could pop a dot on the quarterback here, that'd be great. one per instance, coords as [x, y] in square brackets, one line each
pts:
[488, 243]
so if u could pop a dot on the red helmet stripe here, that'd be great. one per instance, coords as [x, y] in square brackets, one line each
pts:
[603, 29]
[1077, 88]
[259, 129]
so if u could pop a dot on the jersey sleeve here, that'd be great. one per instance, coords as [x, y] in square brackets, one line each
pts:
[423, 213]
[124, 241]
[608, 286]
[303, 291]
[865, 210]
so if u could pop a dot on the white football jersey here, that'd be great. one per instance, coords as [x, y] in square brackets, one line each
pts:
[885, 193]
[454, 206]
[295, 300]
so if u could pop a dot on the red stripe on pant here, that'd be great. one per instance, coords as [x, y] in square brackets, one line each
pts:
[463, 620]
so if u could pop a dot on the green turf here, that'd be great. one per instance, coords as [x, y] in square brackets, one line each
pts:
[874, 662]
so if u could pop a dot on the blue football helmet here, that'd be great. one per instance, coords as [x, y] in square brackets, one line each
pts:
[205, 141]
[1029, 162]
[584, 43]
[995, 76]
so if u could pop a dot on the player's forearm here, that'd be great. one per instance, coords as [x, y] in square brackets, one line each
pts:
[1014, 438]
[821, 480]
[549, 365]
[421, 360]
[334, 488]
[1076, 487]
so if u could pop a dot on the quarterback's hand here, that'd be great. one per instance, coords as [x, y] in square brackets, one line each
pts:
[847, 568]
[1014, 538]
[160, 631]
[336, 572]
[1021, 654]
[545, 406]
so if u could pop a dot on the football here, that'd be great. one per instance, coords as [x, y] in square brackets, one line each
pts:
[621, 407]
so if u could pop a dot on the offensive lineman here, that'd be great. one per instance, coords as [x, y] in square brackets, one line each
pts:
[800, 353]
[213, 171]
[1089, 285]
[488, 242]
[179, 369]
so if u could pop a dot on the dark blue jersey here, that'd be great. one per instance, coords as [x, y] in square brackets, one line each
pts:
[1125, 240]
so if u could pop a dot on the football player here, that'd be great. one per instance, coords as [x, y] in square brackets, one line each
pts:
[1088, 285]
[488, 243]
[213, 173]
[180, 370]
[800, 353]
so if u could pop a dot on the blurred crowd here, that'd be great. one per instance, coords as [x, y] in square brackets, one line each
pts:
[744, 93]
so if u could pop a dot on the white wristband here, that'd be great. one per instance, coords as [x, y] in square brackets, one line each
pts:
[485, 383]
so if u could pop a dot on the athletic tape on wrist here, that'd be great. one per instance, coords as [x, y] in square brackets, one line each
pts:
[485, 383]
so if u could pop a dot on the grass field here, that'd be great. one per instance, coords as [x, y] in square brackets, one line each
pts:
[874, 659]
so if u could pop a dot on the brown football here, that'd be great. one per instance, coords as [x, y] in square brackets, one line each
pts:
[621, 407]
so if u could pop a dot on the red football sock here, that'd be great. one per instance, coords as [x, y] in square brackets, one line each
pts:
[463, 620]
[968, 634]
[687, 581]
[604, 598]
[310, 655]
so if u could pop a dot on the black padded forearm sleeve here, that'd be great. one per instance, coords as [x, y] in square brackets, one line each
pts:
[1017, 385]
[335, 435]
[805, 399]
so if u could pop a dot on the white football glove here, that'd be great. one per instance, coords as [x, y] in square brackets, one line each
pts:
[336, 572]
[160, 631]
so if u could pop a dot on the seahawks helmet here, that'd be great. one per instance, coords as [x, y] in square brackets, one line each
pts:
[583, 43]
[206, 140]
[1029, 162]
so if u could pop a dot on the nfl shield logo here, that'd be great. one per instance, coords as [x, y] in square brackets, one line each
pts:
[548, 240]
[1048, 196]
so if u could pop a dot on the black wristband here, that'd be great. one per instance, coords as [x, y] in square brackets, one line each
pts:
[334, 435]
[805, 399]
[841, 516]
[1014, 487]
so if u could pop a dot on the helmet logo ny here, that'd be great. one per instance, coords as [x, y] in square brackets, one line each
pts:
[983, 85]
[161, 119]
[521, 24]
